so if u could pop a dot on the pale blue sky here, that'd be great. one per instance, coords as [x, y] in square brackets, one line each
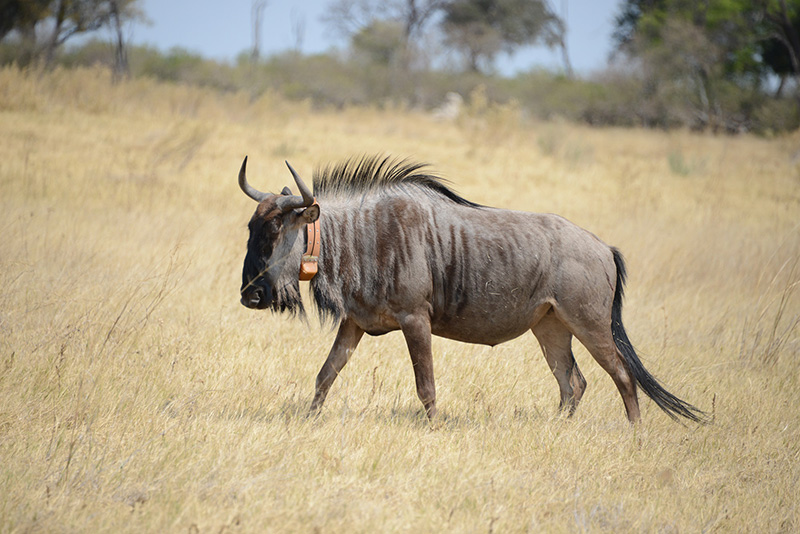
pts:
[222, 29]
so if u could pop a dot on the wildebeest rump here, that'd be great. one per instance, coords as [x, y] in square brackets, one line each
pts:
[402, 251]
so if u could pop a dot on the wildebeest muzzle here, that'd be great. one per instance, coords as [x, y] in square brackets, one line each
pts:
[256, 290]
[256, 297]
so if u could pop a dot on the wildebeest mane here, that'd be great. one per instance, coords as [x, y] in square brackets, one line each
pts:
[356, 176]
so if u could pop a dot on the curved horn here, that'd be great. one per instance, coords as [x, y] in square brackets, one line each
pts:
[292, 202]
[249, 190]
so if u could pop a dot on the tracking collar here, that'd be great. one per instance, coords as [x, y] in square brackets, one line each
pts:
[309, 267]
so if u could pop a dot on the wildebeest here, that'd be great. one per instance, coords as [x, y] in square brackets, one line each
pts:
[402, 251]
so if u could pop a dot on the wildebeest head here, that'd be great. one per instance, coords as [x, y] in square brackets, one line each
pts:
[275, 245]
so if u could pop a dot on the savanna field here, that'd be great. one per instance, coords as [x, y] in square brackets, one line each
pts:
[138, 395]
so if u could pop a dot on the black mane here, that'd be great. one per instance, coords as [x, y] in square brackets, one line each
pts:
[371, 173]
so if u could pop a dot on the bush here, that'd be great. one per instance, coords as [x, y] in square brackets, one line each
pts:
[616, 97]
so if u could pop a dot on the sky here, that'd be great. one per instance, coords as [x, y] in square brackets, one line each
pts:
[222, 30]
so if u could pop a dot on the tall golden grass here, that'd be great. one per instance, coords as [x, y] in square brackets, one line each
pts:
[139, 396]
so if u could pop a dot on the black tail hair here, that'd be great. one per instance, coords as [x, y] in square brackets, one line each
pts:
[672, 405]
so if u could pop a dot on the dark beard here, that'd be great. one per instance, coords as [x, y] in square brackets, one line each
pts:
[287, 299]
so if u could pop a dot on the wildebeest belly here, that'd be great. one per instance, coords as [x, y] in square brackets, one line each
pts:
[483, 330]
[483, 336]
[486, 321]
[492, 323]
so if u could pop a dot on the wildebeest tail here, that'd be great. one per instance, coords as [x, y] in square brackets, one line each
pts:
[672, 405]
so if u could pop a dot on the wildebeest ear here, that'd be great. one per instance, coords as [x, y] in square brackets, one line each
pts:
[286, 191]
[310, 214]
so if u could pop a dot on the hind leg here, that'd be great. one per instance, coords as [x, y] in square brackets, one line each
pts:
[599, 341]
[556, 342]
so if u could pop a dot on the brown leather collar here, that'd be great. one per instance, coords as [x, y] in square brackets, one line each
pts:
[308, 267]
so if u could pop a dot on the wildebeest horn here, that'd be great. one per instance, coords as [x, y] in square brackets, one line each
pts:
[291, 202]
[249, 190]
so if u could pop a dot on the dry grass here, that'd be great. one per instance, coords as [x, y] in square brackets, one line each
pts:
[138, 395]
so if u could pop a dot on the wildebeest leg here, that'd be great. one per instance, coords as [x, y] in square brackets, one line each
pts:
[600, 343]
[417, 331]
[346, 341]
[556, 342]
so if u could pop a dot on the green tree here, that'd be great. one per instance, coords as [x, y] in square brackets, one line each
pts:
[42, 26]
[711, 59]
[754, 37]
[781, 50]
[21, 16]
[480, 29]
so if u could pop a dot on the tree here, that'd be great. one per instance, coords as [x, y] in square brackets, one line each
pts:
[781, 50]
[557, 36]
[720, 53]
[381, 41]
[480, 29]
[348, 17]
[755, 38]
[257, 12]
[367, 20]
[21, 16]
[121, 69]
[45, 25]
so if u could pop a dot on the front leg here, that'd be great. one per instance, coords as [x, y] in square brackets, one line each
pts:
[417, 331]
[346, 341]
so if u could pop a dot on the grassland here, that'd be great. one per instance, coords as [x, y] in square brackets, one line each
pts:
[138, 395]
